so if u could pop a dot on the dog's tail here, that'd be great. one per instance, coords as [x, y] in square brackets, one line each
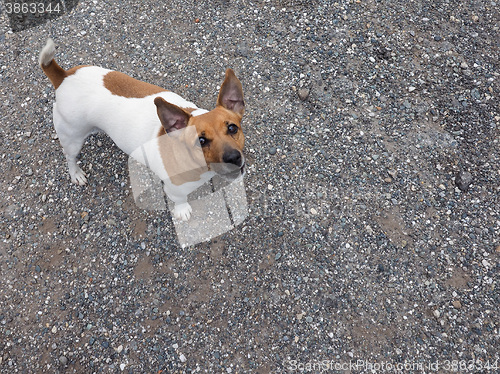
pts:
[49, 66]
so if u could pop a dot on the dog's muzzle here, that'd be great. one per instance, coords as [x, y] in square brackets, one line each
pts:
[233, 165]
[233, 156]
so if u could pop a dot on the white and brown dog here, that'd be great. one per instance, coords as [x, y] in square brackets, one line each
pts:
[134, 113]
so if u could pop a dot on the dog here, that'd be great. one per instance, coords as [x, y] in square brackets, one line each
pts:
[134, 113]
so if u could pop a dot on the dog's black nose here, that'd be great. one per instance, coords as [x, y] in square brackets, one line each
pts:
[232, 157]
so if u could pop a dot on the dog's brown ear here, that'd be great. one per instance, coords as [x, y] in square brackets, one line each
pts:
[171, 116]
[231, 93]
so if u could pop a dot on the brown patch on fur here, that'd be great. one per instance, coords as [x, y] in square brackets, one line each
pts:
[183, 162]
[121, 84]
[182, 159]
[214, 127]
[162, 131]
[57, 74]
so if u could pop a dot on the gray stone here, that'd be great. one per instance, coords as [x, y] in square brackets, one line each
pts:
[463, 180]
[303, 94]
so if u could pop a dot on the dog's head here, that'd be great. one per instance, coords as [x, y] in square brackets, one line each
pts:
[218, 132]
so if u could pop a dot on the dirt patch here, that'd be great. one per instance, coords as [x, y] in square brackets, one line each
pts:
[459, 279]
[144, 269]
[394, 227]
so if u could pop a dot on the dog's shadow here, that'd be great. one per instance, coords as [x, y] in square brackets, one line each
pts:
[25, 15]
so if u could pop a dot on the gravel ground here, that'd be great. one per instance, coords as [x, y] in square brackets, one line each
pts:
[373, 190]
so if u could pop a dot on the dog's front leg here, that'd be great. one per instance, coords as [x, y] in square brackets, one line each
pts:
[182, 209]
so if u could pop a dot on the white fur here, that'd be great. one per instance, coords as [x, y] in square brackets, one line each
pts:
[82, 99]
[47, 53]
[84, 105]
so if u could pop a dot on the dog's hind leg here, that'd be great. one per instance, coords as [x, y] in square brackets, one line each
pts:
[71, 138]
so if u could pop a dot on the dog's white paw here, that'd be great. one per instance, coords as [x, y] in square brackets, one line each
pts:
[79, 177]
[182, 212]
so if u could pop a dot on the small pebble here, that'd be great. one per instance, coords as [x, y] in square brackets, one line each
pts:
[182, 358]
[272, 150]
[303, 94]
[463, 180]
[486, 264]
[457, 304]
[63, 360]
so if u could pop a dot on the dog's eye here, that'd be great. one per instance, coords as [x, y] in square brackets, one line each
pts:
[202, 140]
[232, 128]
